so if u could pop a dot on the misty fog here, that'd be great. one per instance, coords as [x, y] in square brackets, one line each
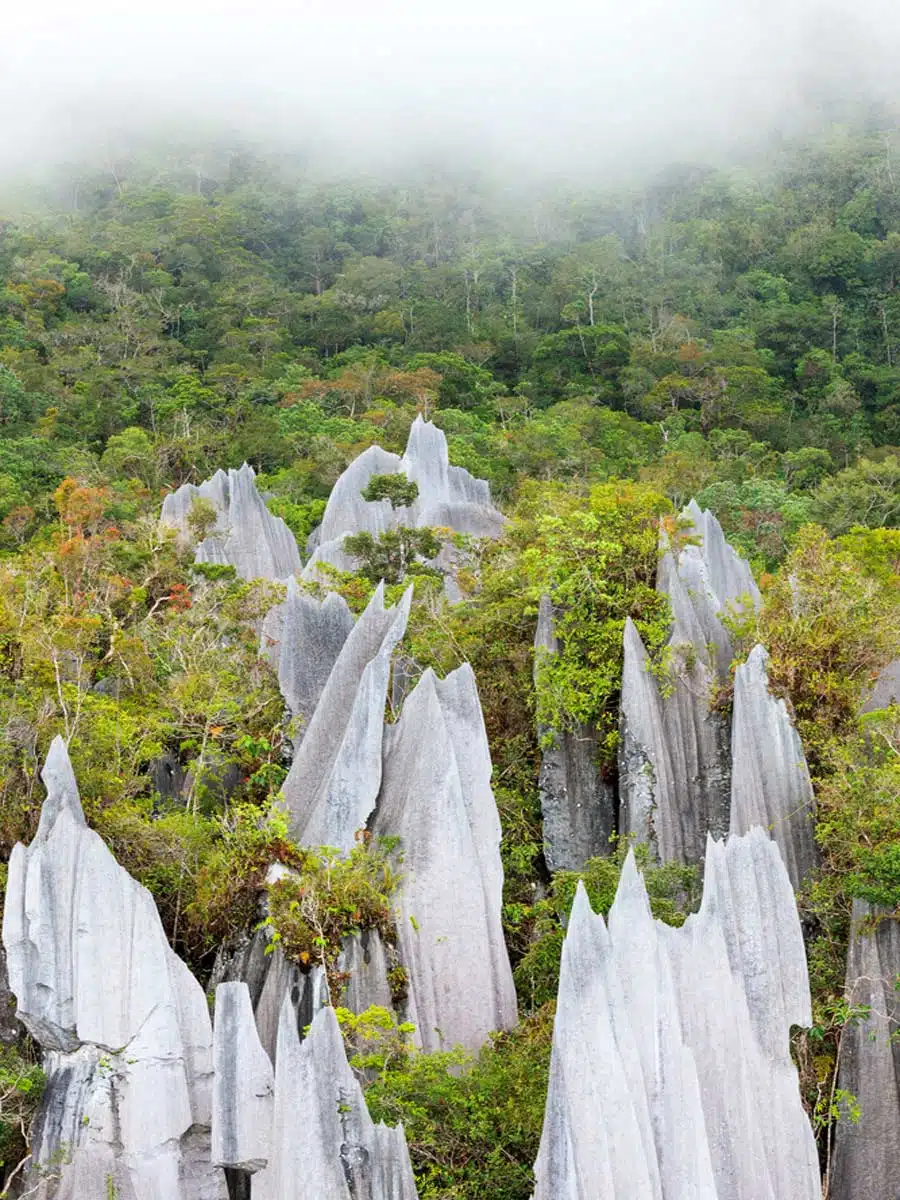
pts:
[578, 86]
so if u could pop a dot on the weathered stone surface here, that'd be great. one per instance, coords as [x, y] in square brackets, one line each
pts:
[675, 753]
[364, 958]
[270, 977]
[449, 498]
[334, 779]
[674, 760]
[867, 1155]
[244, 1084]
[246, 536]
[577, 803]
[885, 691]
[729, 575]
[770, 784]
[324, 1143]
[124, 1023]
[436, 797]
[10, 1029]
[302, 638]
[670, 1074]
[347, 511]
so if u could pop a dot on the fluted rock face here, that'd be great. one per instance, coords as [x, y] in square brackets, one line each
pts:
[674, 752]
[244, 1084]
[270, 978]
[334, 779]
[867, 1155]
[246, 536]
[449, 497]
[124, 1023]
[436, 797]
[670, 1073]
[324, 1143]
[364, 959]
[577, 804]
[302, 638]
[770, 784]
[674, 763]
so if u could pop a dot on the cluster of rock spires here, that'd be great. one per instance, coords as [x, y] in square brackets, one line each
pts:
[142, 1102]
[245, 536]
[684, 771]
[449, 498]
[671, 1073]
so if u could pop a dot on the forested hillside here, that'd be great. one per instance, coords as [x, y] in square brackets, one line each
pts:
[599, 357]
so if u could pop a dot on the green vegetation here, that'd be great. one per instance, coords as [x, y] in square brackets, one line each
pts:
[599, 359]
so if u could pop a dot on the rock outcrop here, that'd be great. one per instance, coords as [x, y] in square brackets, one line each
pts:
[246, 535]
[244, 1084]
[885, 690]
[866, 1159]
[123, 1023]
[770, 784]
[674, 750]
[324, 1143]
[333, 782]
[670, 1073]
[270, 977]
[302, 638]
[577, 804]
[449, 498]
[436, 797]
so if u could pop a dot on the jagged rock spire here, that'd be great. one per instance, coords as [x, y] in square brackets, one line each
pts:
[324, 1143]
[770, 784]
[670, 1073]
[302, 638]
[436, 797]
[334, 779]
[449, 497]
[243, 1091]
[866, 1159]
[123, 1023]
[674, 751]
[246, 535]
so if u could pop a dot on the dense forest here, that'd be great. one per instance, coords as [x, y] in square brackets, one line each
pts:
[600, 357]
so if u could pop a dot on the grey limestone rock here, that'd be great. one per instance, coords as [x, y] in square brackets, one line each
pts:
[577, 803]
[670, 1073]
[302, 638]
[867, 1155]
[885, 690]
[449, 498]
[333, 782]
[436, 797]
[324, 1143]
[347, 511]
[365, 959]
[246, 536]
[243, 1086]
[770, 784]
[123, 1023]
[675, 753]
[674, 762]
[270, 978]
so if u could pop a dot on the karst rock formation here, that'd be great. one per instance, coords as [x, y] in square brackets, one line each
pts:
[671, 1073]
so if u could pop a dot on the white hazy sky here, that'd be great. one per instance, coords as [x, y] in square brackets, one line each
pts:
[577, 82]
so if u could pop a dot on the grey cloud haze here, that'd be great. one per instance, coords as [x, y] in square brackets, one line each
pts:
[573, 84]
